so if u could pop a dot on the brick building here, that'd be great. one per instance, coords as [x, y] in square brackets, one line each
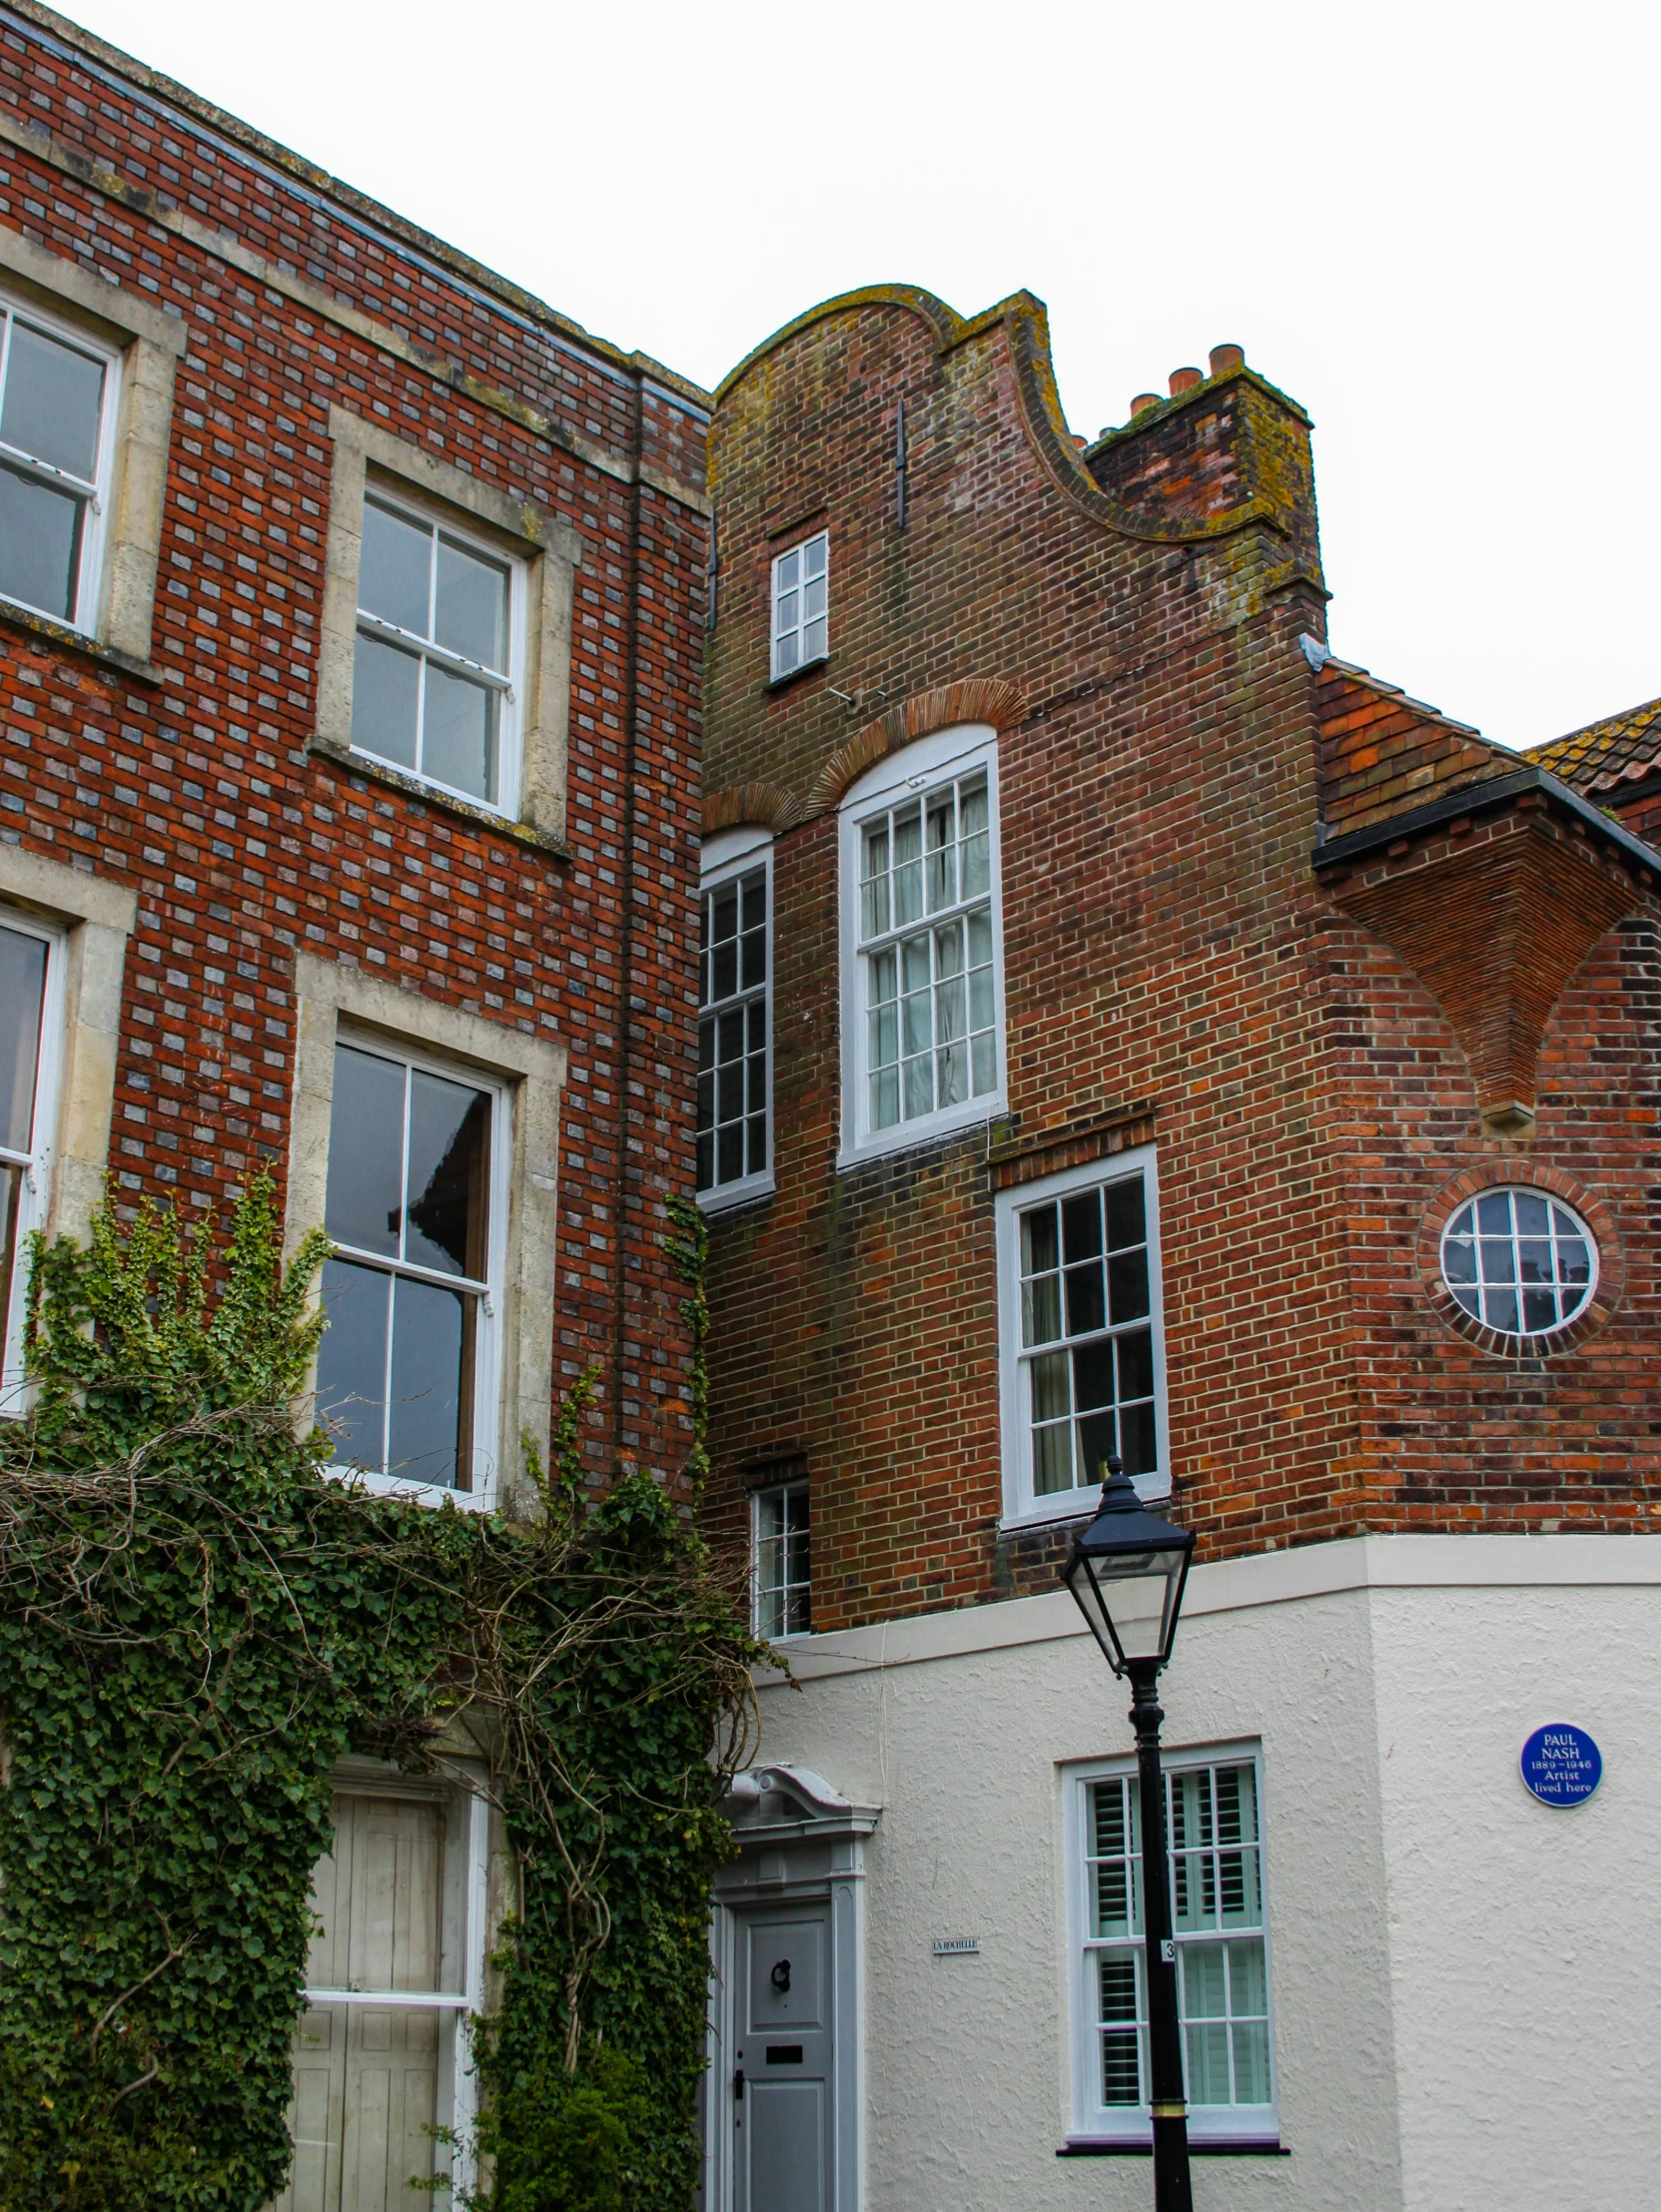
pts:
[1129, 1027]
[351, 639]
[1124, 1025]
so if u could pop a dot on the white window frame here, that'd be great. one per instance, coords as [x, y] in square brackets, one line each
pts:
[730, 855]
[488, 1361]
[796, 1489]
[508, 685]
[1022, 1505]
[1091, 2120]
[915, 770]
[466, 1936]
[332, 997]
[794, 631]
[95, 492]
[34, 1200]
[1513, 1192]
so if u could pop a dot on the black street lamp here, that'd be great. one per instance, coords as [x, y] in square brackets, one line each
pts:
[1127, 1571]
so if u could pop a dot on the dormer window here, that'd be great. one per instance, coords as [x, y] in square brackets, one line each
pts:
[801, 606]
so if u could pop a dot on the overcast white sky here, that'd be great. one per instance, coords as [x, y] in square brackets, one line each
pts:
[1435, 226]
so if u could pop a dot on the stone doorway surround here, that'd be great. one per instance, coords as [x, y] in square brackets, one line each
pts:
[799, 1841]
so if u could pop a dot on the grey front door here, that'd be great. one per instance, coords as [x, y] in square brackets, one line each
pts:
[782, 2102]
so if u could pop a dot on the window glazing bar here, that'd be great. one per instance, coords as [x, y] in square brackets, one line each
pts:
[385, 1266]
[379, 626]
[15, 457]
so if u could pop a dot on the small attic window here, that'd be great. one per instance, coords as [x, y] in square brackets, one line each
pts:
[801, 608]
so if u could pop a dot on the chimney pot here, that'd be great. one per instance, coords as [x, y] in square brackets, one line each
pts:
[1225, 359]
[1080, 442]
[1143, 402]
[1184, 379]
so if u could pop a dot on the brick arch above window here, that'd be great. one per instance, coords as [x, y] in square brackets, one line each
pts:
[980, 699]
[1516, 1173]
[769, 805]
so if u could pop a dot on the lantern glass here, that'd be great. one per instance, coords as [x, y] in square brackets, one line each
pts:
[1126, 1574]
[1139, 1598]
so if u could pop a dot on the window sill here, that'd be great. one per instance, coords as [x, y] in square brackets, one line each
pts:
[1202, 2146]
[430, 1495]
[1061, 1516]
[43, 629]
[1080, 1507]
[916, 1137]
[393, 779]
[795, 675]
[729, 1196]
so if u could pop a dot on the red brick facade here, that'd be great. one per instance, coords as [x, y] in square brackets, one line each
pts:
[191, 780]
[1143, 623]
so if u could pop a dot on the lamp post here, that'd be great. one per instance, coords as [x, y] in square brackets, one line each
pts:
[1127, 1571]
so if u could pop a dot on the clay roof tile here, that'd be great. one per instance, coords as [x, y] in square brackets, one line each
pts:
[1623, 748]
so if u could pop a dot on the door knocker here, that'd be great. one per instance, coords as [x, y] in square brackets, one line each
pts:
[781, 1975]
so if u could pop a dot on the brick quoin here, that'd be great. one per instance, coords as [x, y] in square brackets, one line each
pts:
[194, 784]
[1177, 747]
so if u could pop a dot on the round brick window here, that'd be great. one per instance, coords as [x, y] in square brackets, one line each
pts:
[1520, 1262]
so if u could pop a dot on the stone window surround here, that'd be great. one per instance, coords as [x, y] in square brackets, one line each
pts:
[550, 551]
[97, 917]
[328, 994]
[150, 343]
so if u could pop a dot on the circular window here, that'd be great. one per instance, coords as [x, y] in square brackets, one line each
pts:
[1520, 1262]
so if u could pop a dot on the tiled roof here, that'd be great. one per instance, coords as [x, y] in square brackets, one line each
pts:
[1623, 748]
[1383, 753]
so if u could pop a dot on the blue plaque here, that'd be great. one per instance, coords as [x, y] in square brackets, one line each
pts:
[1561, 1765]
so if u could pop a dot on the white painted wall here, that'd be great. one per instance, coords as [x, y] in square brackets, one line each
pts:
[1465, 1982]
[1526, 1942]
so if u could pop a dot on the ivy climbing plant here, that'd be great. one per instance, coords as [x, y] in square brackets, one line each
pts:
[196, 1622]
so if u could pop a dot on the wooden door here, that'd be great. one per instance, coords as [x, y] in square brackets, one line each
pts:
[365, 2075]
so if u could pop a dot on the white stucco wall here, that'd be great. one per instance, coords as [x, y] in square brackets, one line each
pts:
[1526, 1942]
[1465, 1981]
